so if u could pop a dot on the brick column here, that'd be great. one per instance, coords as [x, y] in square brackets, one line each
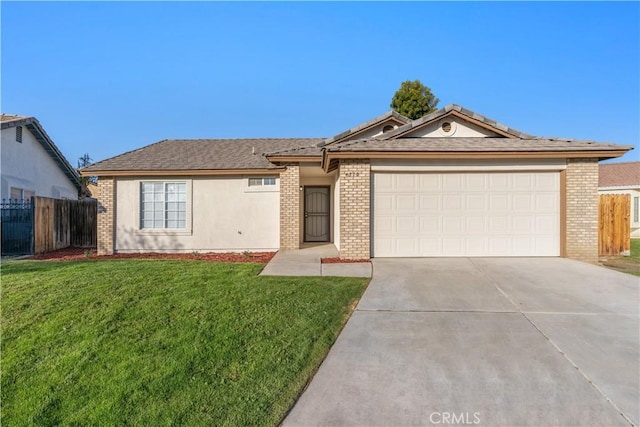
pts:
[106, 215]
[290, 208]
[355, 206]
[582, 209]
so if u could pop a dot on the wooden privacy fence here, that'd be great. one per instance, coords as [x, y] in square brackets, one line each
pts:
[59, 224]
[614, 224]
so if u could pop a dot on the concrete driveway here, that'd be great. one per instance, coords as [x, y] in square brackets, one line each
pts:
[484, 341]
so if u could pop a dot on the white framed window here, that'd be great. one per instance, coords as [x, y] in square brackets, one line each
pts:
[262, 181]
[163, 205]
[636, 209]
[21, 194]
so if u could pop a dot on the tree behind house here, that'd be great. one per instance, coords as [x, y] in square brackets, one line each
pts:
[414, 100]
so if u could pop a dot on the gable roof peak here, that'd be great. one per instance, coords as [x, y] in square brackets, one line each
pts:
[431, 117]
[366, 125]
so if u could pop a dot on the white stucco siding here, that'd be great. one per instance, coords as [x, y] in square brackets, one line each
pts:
[224, 214]
[28, 166]
[459, 128]
[635, 210]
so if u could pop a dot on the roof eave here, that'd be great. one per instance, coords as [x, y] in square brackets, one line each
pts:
[180, 172]
[47, 143]
[598, 154]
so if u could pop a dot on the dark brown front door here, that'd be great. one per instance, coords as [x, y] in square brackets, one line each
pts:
[316, 214]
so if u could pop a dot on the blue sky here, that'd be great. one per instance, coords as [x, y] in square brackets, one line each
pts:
[105, 78]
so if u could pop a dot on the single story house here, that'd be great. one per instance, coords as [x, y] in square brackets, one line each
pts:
[32, 165]
[452, 183]
[623, 178]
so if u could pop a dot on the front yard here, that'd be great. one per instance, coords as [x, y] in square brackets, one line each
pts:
[626, 264]
[161, 342]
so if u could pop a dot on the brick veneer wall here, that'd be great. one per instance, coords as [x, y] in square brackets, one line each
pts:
[290, 208]
[106, 215]
[582, 209]
[355, 205]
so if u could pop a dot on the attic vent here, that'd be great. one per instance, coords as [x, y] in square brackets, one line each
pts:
[19, 133]
[446, 127]
[387, 128]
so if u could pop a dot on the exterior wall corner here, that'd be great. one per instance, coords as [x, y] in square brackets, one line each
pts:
[106, 215]
[290, 207]
[581, 204]
[355, 208]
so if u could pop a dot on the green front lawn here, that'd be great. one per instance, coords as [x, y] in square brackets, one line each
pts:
[635, 248]
[149, 342]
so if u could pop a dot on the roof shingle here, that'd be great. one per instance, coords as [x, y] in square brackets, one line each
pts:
[201, 154]
[623, 174]
[471, 144]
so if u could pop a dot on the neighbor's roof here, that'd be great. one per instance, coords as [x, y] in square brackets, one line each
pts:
[461, 110]
[201, 154]
[33, 125]
[624, 174]
[7, 118]
[468, 144]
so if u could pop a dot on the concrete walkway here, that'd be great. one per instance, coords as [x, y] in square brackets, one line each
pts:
[487, 342]
[306, 262]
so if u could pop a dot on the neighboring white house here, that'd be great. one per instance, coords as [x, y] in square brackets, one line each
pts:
[623, 178]
[32, 165]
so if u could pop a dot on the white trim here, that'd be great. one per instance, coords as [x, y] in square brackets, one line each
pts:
[620, 187]
[186, 231]
[467, 165]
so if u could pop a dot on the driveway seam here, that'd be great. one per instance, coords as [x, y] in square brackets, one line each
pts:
[628, 419]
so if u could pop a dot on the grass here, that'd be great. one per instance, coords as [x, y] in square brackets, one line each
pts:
[149, 342]
[635, 248]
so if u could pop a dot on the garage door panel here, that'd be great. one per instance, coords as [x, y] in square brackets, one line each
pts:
[429, 203]
[472, 214]
[407, 225]
[406, 203]
[476, 202]
[498, 202]
[430, 225]
[452, 202]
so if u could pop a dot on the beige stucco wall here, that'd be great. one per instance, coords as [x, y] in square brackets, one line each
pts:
[374, 131]
[223, 214]
[27, 166]
[460, 128]
[635, 226]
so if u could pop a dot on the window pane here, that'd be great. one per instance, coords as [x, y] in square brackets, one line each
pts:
[269, 181]
[254, 182]
[163, 205]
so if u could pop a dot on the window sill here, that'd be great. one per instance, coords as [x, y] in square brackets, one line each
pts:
[163, 232]
[261, 190]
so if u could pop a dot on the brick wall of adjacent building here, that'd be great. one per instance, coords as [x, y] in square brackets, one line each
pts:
[355, 205]
[582, 209]
[106, 215]
[290, 208]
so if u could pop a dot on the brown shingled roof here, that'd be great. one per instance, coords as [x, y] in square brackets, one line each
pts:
[471, 145]
[623, 174]
[201, 154]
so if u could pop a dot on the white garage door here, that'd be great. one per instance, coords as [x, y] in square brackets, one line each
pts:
[466, 214]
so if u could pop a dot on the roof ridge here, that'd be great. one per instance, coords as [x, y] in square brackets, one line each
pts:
[464, 111]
